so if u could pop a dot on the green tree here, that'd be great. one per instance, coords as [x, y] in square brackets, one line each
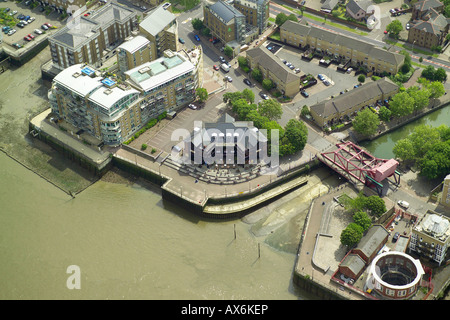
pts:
[248, 95]
[297, 134]
[394, 28]
[242, 61]
[351, 235]
[361, 78]
[404, 149]
[305, 111]
[436, 163]
[421, 97]
[428, 73]
[197, 24]
[402, 104]
[436, 89]
[281, 18]
[366, 122]
[206, 32]
[267, 84]
[228, 51]
[384, 114]
[270, 109]
[242, 108]
[202, 94]
[257, 75]
[440, 75]
[361, 218]
[375, 205]
[257, 118]
[292, 17]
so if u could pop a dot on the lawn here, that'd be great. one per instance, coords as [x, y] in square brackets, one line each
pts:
[179, 6]
[6, 19]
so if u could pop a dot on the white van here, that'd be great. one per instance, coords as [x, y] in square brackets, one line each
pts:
[225, 67]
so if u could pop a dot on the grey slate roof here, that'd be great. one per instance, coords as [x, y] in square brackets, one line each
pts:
[329, 4]
[264, 57]
[343, 40]
[427, 4]
[354, 262]
[354, 6]
[157, 20]
[225, 11]
[372, 240]
[348, 100]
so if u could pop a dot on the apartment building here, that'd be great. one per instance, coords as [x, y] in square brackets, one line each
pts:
[358, 52]
[430, 237]
[160, 27]
[113, 110]
[285, 80]
[345, 106]
[429, 27]
[133, 52]
[225, 22]
[90, 39]
[169, 82]
[256, 12]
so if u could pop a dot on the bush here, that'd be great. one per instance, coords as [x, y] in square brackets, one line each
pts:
[144, 146]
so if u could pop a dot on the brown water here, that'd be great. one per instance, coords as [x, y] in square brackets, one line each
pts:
[129, 244]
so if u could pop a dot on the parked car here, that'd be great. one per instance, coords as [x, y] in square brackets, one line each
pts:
[356, 86]
[326, 82]
[395, 237]
[16, 45]
[181, 40]
[31, 19]
[37, 31]
[11, 32]
[408, 26]
[6, 10]
[349, 70]
[292, 67]
[20, 25]
[12, 13]
[222, 60]
[30, 36]
[216, 67]
[297, 70]
[27, 38]
[403, 204]
[321, 77]
[20, 17]
[304, 93]
[192, 106]
[229, 79]
[44, 27]
[48, 25]
[247, 82]
[197, 37]
[263, 95]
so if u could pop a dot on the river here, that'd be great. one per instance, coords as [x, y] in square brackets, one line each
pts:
[130, 244]
[382, 146]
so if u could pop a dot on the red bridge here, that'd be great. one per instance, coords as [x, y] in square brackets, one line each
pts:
[357, 165]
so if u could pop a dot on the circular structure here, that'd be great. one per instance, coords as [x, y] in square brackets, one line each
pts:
[395, 275]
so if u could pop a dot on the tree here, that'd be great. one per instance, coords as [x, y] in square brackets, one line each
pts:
[375, 205]
[384, 114]
[248, 95]
[257, 118]
[361, 78]
[281, 18]
[402, 104]
[428, 73]
[267, 84]
[351, 235]
[421, 97]
[257, 75]
[228, 51]
[440, 75]
[242, 61]
[242, 108]
[361, 218]
[197, 24]
[202, 94]
[436, 89]
[270, 109]
[404, 149]
[305, 111]
[436, 163]
[292, 17]
[366, 122]
[394, 28]
[206, 32]
[297, 134]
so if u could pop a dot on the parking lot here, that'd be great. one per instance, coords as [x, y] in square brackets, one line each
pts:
[40, 19]
[339, 81]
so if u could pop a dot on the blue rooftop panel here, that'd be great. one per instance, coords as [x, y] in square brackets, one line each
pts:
[108, 82]
[87, 71]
